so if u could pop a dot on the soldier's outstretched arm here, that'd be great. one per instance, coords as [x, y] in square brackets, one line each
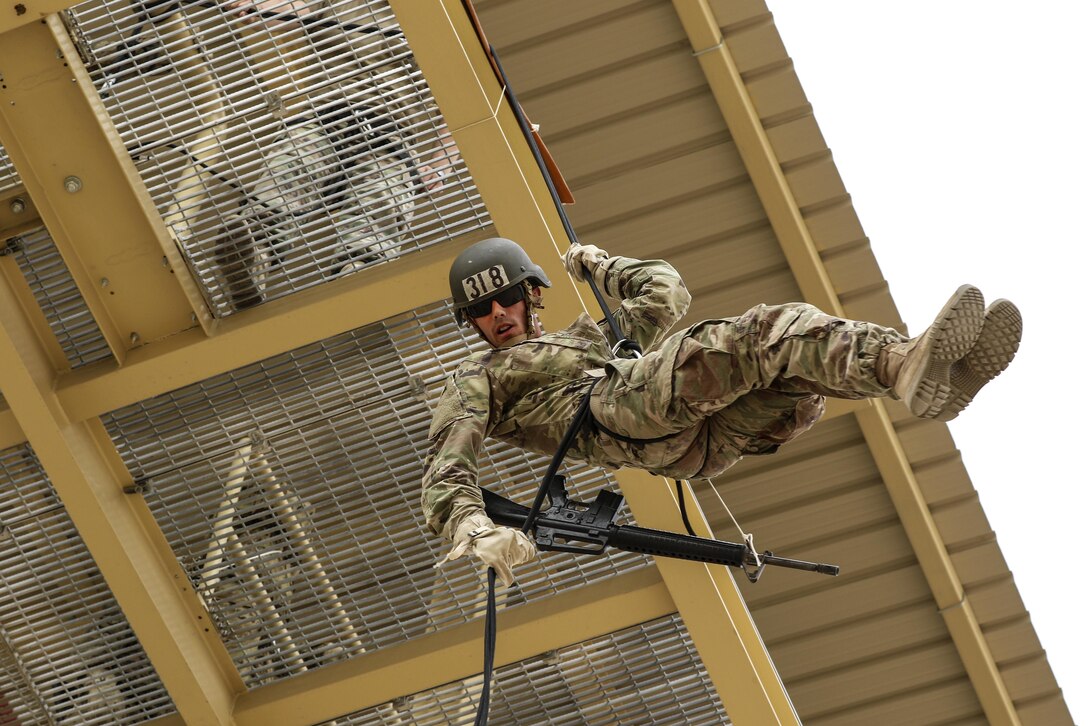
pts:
[458, 428]
[452, 503]
[652, 295]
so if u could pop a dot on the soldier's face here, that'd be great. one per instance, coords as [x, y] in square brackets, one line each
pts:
[504, 326]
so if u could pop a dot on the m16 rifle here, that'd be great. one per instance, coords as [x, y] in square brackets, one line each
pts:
[570, 526]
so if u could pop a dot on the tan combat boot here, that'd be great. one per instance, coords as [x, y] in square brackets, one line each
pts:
[919, 370]
[991, 354]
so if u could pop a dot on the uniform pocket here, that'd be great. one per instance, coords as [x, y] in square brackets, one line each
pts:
[563, 359]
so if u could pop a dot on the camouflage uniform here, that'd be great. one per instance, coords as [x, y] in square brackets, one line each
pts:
[697, 402]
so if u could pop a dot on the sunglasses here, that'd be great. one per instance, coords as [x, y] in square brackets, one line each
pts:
[506, 298]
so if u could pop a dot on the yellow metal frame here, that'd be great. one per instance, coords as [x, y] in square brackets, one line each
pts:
[456, 653]
[17, 14]
[12, 222]
[311, 315]
[736, 106]
[73, 167]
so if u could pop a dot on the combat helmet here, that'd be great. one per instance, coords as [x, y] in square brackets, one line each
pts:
[489, 267]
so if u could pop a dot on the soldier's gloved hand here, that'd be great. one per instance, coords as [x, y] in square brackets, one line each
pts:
[500, 547]
[578, 256]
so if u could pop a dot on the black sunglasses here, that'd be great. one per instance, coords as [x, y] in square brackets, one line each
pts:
[506, 298]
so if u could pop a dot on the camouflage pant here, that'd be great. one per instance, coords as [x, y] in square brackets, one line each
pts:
[725, 388]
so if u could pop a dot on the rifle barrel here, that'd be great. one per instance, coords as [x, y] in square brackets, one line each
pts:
[823, 569]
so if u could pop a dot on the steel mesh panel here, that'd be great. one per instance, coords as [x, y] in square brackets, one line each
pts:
[67, 653]
[9, 178]
[289, 490]
[648, 674]
[60, 300]
[282, 148]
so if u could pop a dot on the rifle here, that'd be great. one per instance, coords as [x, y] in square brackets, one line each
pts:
[570, 526]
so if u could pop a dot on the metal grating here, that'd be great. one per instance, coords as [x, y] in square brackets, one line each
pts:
[60, 300]
[283, 147]
[67, 654]
[649, 674]
[289, 490]
[9, 178]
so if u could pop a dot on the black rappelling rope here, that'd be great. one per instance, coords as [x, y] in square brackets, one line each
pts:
[490, 628]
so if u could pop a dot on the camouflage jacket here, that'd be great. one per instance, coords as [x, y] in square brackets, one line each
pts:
[527, 394]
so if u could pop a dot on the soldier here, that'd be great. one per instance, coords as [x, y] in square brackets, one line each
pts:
[694, 404]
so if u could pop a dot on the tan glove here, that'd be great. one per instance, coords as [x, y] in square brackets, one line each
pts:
[500, 547]
[578, 256]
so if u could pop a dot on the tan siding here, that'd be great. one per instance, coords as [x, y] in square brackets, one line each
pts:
[996, 602]
[980, 563]
[814, 182]
[942, 479]
[584, 48]
[796, 140]
[1013, 640]
[882, 677]
[852, 268]
[1049, 711]
[686, 122]
[843, 604]
[777, 94]
[732, 12]
[642, 83]
[833, 226]
[756, 46]
[873, 642]
[525, 21]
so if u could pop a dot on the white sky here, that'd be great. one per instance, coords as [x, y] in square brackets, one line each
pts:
[959, 130]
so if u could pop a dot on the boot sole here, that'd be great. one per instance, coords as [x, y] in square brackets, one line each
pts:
[953, 334]
[995, 348]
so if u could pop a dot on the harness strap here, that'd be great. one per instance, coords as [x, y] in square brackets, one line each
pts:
[595, 426]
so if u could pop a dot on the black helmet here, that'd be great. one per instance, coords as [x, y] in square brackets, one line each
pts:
[489, 267]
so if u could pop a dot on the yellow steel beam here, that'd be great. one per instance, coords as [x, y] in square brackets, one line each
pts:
[770, 182]
[11, 433]
[409, 282]
[736, 650]
[29, 305]
[18, 13]
[75, 168]
[516, 195]
[17, 214]
[456, 653]
[118, 529]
